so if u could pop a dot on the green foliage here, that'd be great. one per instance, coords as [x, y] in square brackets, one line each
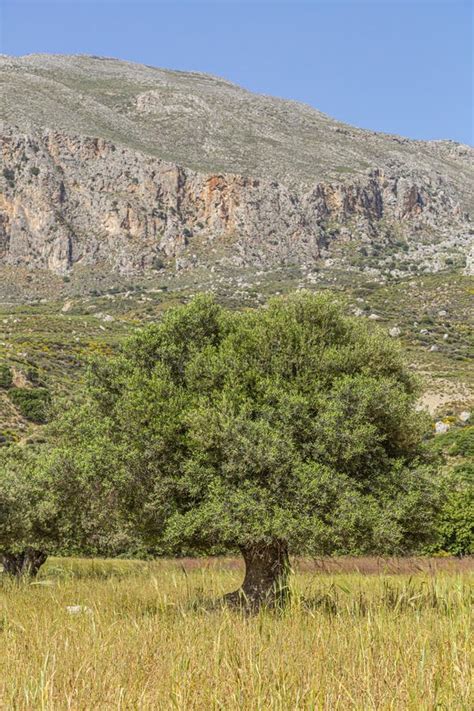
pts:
[33, 403]
[291, 422]
[28, 506]
[34, 377]
[47, 504]
[455, 522]
[6, 377]
[458, 442]
[7, 437]
[89, 520]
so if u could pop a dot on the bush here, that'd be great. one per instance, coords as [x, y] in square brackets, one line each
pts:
[33, 404]
[157, 263]
[463, 445]
[34, 377]
[455, 523]
[458, 442]
[6, 377]
[7, 437]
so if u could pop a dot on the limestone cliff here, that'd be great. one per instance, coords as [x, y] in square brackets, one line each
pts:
[148, 175]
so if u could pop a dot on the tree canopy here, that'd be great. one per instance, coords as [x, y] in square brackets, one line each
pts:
[289, 427]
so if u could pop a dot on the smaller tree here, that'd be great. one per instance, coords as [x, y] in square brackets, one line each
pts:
[49, 503]
[27, 512]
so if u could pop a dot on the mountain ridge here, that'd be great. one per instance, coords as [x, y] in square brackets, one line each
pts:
[112, 162]
[232, 84]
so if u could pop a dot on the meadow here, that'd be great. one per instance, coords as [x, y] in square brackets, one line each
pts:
[359, 634]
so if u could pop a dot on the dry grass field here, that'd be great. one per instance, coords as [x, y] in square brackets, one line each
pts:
[364, 635]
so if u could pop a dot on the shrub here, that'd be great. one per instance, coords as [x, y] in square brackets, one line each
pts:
[6, 377]
[157, 263]
[33, 404]
[463, 445]
[458, 442]
[7, 437]
[34, 377]
[455, 524]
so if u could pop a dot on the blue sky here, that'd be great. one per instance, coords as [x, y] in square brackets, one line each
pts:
[401, 66]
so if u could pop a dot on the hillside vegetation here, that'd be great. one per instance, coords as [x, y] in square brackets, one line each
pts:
[49, 341]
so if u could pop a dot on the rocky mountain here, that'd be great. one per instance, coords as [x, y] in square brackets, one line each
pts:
[136, 169]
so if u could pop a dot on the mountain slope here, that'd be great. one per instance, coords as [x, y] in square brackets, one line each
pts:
[116, 165]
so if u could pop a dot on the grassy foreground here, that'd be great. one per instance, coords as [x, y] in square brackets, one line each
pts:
[148, 639]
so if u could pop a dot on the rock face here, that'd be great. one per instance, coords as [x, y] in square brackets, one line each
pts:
[105, 162]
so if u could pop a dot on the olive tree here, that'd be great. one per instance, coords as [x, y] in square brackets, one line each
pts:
[285, 428]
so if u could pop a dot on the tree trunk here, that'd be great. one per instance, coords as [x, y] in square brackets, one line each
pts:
[27, 563]
[267, 568]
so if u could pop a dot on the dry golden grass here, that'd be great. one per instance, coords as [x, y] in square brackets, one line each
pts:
[150, 641]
